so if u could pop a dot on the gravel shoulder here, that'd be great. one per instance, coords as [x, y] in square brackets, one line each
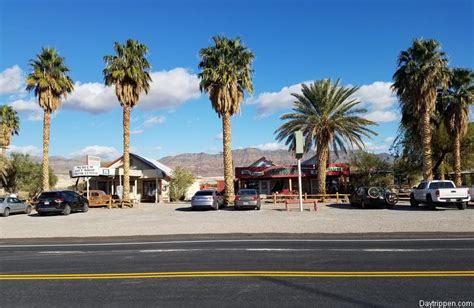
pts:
[177, 218]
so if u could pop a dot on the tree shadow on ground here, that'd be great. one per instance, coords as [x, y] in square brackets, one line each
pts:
[203, 209]
[397, 207]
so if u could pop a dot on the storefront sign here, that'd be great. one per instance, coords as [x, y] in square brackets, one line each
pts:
[86, 170]
[93, 160]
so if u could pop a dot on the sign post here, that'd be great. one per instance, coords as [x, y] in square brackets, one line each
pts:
[299, 155]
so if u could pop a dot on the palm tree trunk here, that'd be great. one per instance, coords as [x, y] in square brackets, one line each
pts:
[126, 153]
[46, 129]
[322, 159]
[426, 143]
[457, 159]
[228, 164]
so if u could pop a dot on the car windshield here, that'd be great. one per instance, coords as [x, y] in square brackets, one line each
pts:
[49, 195]
[247, 192]
[204, 193]
[1, 200]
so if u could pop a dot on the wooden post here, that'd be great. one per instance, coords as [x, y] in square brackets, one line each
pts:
[290, 186]
[305, 196]
[274, 198]
[337, 197]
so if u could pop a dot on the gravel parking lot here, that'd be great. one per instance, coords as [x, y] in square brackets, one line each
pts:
[177, 218]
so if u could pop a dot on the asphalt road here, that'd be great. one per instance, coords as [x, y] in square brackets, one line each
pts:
[239, 270]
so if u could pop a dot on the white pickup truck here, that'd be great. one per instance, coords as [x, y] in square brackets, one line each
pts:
[440, 192]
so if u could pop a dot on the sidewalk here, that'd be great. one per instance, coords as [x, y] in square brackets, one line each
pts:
[177, 218]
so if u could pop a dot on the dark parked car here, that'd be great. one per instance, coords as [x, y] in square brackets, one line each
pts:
[373, 196]
[247, 198]
[61, 201]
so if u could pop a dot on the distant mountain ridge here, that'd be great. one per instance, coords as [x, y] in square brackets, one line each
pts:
[205, 164]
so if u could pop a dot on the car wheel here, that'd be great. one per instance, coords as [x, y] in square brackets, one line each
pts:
[236, 208]
[413, 202]
[85, 208]
[391, 199]
[462, 205]
[6, 212]
[28, 210]
[431, 204]
[41, 213]
[257, 208]
[67, 210]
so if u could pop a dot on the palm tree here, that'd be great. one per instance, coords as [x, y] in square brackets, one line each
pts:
[326, 113]
[458, 97]
[10, 125]
[128, 70]
[226, 72]
[50, 83]
[422, 70]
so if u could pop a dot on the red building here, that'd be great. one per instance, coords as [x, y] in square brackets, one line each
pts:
[268, 178]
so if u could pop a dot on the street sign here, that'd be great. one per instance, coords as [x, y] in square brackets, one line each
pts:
[299, 148]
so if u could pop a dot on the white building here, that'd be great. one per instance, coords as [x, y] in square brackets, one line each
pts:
[149, 179]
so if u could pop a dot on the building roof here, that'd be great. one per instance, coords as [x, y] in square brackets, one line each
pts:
[152, 162]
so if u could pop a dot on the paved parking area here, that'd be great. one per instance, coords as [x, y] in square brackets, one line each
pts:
[177, 218]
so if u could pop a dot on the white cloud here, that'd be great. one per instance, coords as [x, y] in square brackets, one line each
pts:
[30, 107]
[377, 97]
[153, 120]
[27, 149]
[219, 136]
[382, 115]
[11, 80]
[92, 97]
[168, 90]
[105, 152]
[137, 132]
[269, 102]
[270, 146]
[380, 146]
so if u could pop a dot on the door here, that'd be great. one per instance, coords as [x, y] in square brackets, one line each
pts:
[14, 204]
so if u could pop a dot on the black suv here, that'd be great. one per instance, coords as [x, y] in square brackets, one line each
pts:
[61, 201]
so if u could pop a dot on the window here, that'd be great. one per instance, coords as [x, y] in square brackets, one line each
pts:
[247, 192]
[204, 193]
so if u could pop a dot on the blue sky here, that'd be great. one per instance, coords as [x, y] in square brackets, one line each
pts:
[293, 41]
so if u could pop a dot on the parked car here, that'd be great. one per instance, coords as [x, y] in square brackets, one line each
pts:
[373, 196]
[208, 198]
[10, 205]
[247, 198]
[439, 192]
[61, 201]
[98, 198]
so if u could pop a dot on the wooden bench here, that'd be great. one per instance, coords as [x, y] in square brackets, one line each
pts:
[314, 202]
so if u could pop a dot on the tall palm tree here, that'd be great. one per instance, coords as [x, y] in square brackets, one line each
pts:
[128, 70]
[458, 97]
[50, 83]
[327, 115]
[9, 125]
[422, 70]
[226, 73]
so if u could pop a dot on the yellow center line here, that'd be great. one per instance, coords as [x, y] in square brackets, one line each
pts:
[199, 274]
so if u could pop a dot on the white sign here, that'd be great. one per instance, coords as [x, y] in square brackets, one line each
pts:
[93, 160]
[86, 170]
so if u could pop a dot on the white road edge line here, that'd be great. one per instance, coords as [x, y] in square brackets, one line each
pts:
[239, 241]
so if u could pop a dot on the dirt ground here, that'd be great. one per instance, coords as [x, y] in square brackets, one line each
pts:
[177, 218]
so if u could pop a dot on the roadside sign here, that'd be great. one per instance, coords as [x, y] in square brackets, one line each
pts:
[86, 170]
[93, 160]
